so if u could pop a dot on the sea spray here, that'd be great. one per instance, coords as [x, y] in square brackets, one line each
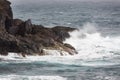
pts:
[91, 45]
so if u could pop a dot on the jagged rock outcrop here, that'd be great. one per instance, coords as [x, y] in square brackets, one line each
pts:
[62, 32]
[7, 41]
[24, 37]
[6, 15]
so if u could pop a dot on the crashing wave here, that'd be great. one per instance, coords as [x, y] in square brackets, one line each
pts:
[91, 45]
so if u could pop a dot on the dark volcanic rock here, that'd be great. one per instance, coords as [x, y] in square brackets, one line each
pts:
[20, 27]
[8, 43]
[24, 37]
[17, 22]
[6, 15]
[62, 32]
[25, 28]
[15, 26]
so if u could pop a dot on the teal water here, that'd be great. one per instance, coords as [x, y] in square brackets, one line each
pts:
[72, 69]
[72, 13]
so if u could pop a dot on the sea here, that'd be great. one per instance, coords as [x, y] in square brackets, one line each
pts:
[97, 41]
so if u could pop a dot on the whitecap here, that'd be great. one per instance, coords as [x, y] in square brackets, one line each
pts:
[18, 77]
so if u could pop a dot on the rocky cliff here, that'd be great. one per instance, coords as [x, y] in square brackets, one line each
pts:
[24, 37]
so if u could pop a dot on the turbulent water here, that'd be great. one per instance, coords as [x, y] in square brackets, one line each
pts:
[97, 41]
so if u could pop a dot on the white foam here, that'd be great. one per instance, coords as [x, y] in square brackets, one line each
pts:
[12, 56]
[17, 77]
[91, 45]
[55, 52]
[47, 53]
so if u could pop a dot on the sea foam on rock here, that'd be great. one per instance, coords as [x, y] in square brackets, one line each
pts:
[55, 52]
[23, 37]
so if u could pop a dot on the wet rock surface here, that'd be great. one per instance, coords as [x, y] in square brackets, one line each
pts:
[20, 36]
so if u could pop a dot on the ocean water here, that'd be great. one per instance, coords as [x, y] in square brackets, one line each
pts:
[97, 42]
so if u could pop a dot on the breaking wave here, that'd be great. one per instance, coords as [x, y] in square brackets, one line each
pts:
[90, 44]
[93, 50]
